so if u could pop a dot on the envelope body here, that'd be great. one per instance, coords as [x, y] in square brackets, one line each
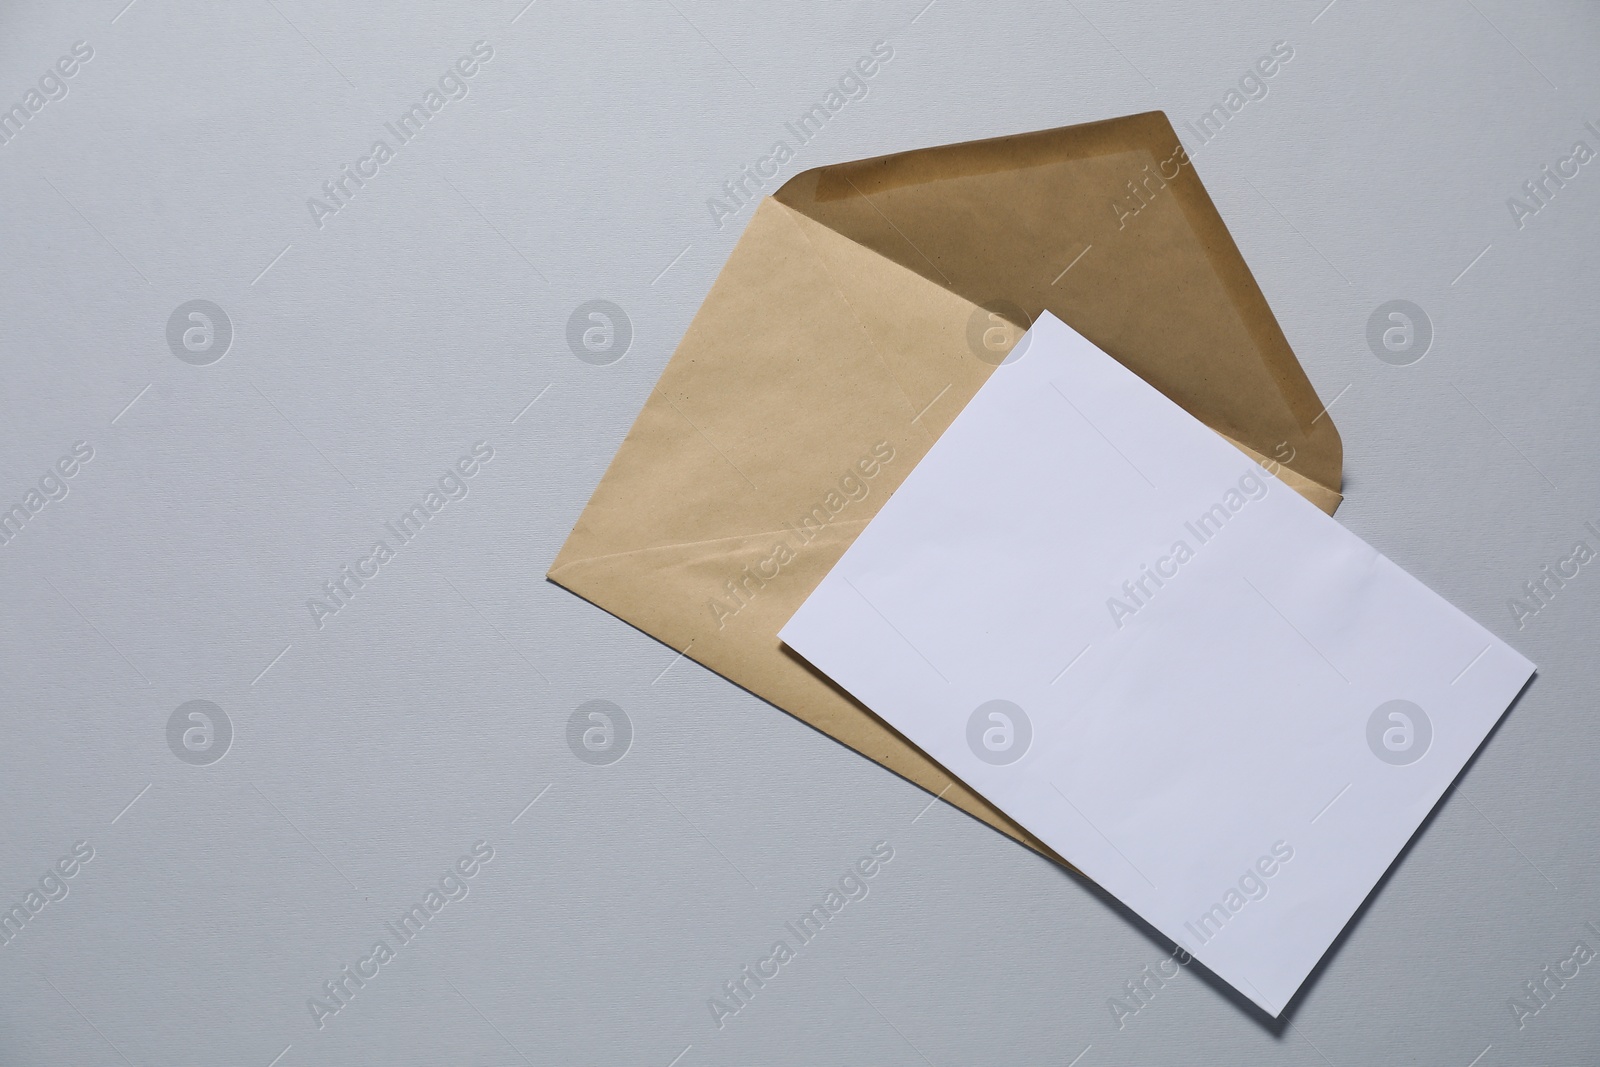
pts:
[861, 309]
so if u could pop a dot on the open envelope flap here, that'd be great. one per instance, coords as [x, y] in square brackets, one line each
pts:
[1108, 226]
[780, 426]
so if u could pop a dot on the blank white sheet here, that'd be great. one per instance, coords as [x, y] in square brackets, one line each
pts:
[1209, 696]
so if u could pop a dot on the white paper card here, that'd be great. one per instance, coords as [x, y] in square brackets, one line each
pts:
[1210, 697]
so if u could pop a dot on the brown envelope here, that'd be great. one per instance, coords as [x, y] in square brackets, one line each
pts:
[863, 306]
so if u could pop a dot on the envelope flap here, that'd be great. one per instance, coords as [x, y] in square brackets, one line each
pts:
[1107, 226]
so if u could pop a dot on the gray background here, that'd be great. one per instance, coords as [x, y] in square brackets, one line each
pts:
[370, 353]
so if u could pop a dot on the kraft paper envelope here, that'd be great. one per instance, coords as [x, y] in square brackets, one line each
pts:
[861, 309]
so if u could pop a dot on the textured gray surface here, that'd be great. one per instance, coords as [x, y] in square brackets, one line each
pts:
[371, 353]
